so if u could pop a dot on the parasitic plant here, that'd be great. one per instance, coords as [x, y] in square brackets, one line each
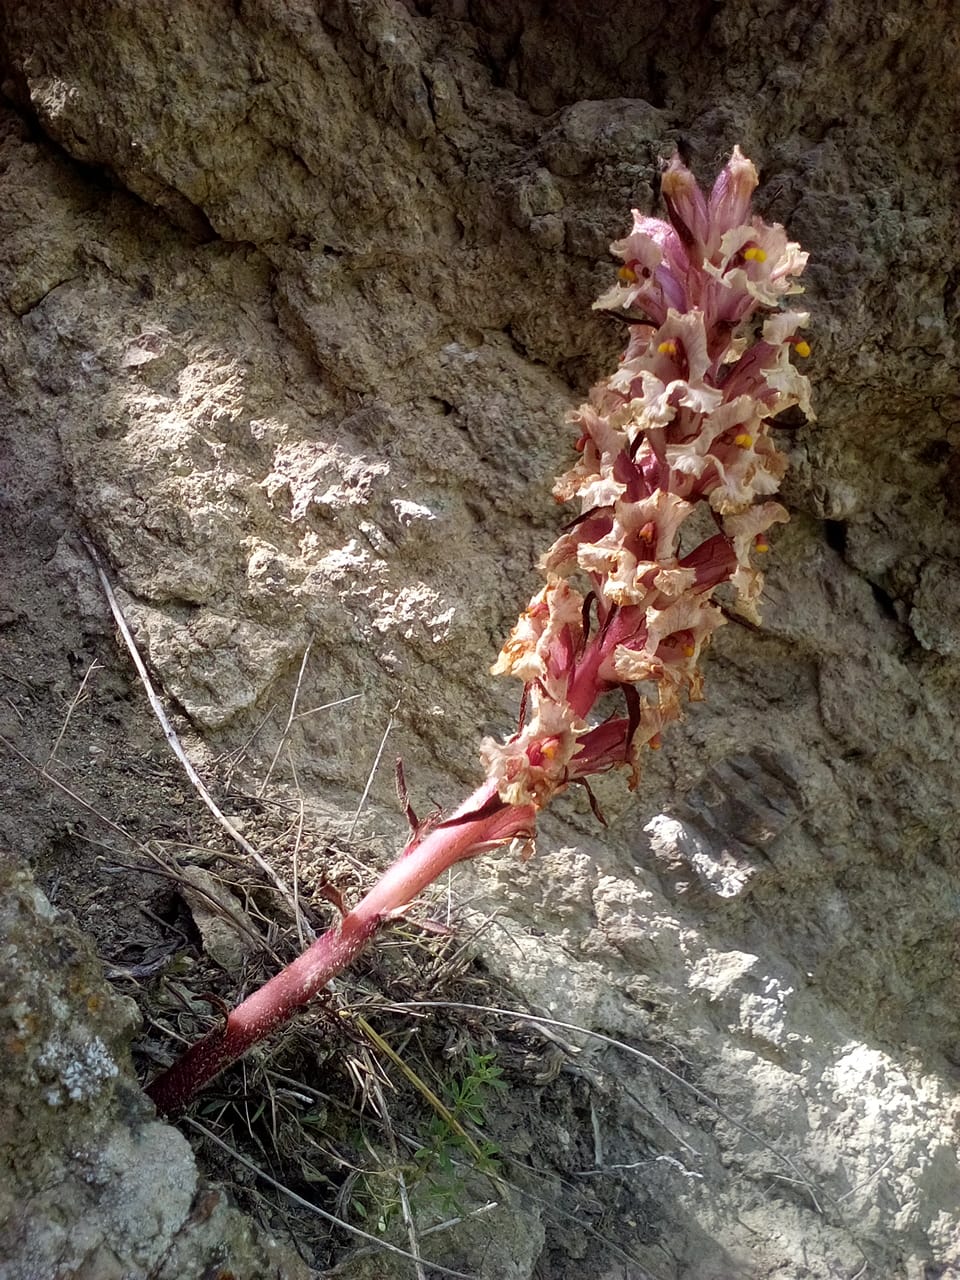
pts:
[680, 428]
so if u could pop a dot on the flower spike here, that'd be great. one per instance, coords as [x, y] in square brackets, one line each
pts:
[684, 421]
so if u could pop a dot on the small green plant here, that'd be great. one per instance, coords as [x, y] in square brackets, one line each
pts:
[467, 1099]
[435, 1179]
[439, 1180]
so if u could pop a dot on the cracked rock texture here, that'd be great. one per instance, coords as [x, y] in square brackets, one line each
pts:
[296, 298]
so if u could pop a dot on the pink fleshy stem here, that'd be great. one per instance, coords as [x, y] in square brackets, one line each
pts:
[482, 822]
[587, 685]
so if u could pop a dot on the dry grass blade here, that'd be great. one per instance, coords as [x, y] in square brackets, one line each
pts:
[176, 747]
[373, 770]
[291, 715]
[75, 702]
[405, 1208]
[547, 1205]
[421, 1086]
[313, 1208]
[463, 1217]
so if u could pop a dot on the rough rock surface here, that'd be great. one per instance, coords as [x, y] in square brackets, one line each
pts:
[93, 1186]
[296, 296]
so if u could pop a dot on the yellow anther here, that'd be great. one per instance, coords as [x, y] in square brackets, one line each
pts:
[761, 544]
[550, 750]
[743, 440]
[802, 348]
[655, 743]
[689, 650]
[754, 255]
[668, 348]
[627, 275]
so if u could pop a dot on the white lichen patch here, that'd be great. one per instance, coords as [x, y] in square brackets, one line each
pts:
[81, 1070]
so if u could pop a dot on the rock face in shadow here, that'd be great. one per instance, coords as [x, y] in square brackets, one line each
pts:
[296, 298]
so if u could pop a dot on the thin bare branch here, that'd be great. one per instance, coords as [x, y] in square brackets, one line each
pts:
[237, 757]
[72, 795]
[698, 1093]
[291, 714]
[296, 851]
[160, 868]
[338, 702]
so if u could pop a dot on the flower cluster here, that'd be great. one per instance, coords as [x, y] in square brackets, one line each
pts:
[680, 427]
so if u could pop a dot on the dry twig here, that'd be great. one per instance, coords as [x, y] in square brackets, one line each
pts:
[291, 715]
[800, 1177]
[74, 703]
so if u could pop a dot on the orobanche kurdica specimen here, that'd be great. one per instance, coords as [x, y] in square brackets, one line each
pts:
[680, 428]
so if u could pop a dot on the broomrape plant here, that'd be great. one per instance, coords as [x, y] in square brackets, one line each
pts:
[681, 427]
